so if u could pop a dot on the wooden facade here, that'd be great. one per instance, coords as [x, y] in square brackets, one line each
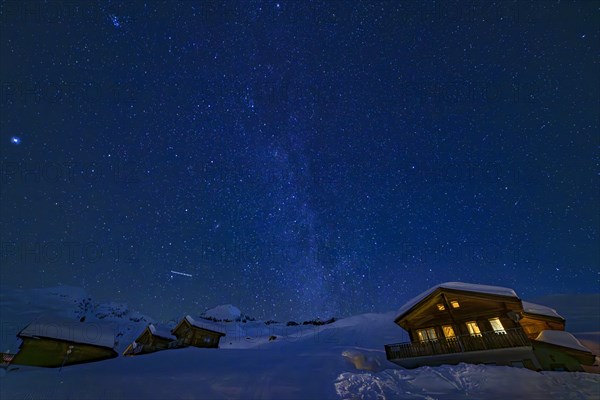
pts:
[192, 333]
[53, 344]
[448, 311]
[457, 322]
[533, 324]
[45, 352]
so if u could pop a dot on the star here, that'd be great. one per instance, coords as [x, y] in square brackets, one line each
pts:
[15, 140]
[115, 21]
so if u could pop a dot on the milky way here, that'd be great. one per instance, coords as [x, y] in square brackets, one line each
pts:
[298, 159]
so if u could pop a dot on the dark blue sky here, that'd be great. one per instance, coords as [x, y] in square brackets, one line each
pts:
[298, 159]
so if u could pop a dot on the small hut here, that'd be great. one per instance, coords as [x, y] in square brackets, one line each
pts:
[561, 351]
[153, 338]
[190, 332]
[54, 344]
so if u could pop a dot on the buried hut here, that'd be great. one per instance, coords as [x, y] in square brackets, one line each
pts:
[57, 344]
[191, 332]
[153, 338]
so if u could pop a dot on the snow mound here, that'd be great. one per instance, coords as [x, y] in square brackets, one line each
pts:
[225, 312]
[367, 361]
[561, 338]
[466, 381]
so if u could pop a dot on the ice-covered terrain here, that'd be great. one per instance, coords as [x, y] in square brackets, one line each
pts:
[344, 359]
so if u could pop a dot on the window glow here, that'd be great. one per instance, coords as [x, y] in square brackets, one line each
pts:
[427, 335]
[473, 328]
[497, 325]
[448, 331]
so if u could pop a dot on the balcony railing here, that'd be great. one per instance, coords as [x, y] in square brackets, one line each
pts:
[485, 341]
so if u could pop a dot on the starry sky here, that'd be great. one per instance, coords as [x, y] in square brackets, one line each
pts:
[298, 159]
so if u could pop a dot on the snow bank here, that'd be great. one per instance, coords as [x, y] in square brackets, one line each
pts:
[466, 381]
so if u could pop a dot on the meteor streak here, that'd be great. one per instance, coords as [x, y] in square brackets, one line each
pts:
[181, 273]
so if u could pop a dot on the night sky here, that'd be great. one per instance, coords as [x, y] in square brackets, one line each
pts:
[298, 159]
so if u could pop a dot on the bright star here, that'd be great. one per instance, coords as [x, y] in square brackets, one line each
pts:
[15, 140]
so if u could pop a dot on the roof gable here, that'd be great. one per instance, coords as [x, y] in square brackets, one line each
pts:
[203, 325]
[485, 290]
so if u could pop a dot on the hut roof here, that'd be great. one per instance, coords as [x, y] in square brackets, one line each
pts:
[204, 324]
[97, 334]
[161, 331]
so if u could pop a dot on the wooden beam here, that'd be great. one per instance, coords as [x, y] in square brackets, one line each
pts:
[449, 307]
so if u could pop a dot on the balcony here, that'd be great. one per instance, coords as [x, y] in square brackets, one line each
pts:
[515, 337]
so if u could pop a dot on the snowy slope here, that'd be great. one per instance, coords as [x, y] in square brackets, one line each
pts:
[344, 359]
[341, 360]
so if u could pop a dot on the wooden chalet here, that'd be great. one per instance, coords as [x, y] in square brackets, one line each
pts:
[190, 332]
[153, 338]
[57, 344]
[460, 322]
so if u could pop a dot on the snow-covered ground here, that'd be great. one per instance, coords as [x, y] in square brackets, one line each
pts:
[344, 359]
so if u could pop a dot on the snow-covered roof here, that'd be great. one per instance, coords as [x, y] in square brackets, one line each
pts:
[204, 324]
[561, 338]
[468, 287]
[161, 331]
[97, 334]
[538, 309]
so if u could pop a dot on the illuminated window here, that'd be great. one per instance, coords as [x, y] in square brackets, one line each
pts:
[473, 328]
[441, 307]
[497, 325]
[454, 304]
[426, 335]
[448, 331]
